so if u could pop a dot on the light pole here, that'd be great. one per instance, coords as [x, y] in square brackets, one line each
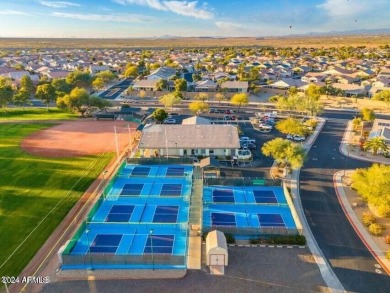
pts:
[151, 246]
[103, 182]
[89, 250]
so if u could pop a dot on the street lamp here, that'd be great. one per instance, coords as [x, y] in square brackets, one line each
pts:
[151, 246]
[89, 250]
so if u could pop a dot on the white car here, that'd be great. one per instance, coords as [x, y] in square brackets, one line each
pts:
[170, 121]
[296, 137]
[244, 155]
[265, 126]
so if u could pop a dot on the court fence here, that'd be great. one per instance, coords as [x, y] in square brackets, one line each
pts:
[252, 231]
[90, 260]
[242, 181]
[161, 161]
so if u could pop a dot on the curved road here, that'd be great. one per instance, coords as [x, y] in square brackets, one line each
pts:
[352, 263]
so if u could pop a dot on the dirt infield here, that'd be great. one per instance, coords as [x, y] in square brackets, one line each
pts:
[79, 138]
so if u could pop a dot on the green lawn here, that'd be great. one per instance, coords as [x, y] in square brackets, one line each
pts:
[35, 114]
[30, 187]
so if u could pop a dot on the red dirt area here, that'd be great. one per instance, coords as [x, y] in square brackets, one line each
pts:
[80, 138]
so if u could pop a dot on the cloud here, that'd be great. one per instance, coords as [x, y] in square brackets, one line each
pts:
[59, 4]
[13, 12]
[186, 8]
[128, 18]
[341, 8]
[226, 25]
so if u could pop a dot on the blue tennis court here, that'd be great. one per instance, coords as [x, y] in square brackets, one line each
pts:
[223, 195]
[168, 189]
[131, 189]
[120, 213]
[264, 196]
[223, 219]
[271, 220]
[175, 172]
[105, 243]
[159, 244]
[140, 171]
[166, 214]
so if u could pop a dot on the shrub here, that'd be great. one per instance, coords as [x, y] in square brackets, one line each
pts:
[384, 210]
[368, 219]
[289, 239]
[254, 241]
[230, 238]
[375, 229]
[387, 239]
[388, 254]
[312, 123]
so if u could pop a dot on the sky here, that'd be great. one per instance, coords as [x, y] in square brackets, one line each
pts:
[156, 18]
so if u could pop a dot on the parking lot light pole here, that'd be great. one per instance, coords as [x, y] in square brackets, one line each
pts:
[151, 246]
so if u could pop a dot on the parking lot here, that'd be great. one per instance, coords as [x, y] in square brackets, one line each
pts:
[251, 269]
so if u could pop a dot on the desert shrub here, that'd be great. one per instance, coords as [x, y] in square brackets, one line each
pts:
[368, 219]
[387, 239]
[312, 123]
[376, 229]
[254, 241]
[289, 239]
[230, 238]
[384, 210]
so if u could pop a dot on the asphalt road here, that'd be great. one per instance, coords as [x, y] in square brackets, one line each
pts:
[113, 92]
[352, 263]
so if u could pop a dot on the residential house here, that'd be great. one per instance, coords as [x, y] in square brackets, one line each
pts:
[162, 72]
[235, 86]
[350, 89]
[381, 129]
[313, 77]
[145, 84]
[95, 69]
[206, 86]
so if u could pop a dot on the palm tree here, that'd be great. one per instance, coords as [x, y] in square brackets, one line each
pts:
[375, 144]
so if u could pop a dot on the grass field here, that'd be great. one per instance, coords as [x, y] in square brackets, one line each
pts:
[18, 114]
[301, 41]
[32, 188]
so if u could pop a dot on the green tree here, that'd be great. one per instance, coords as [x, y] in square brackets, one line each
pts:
[312, 106]
[80, 101]
[22, 98]
[46, 93]
[180, 85]
[292, 91]
[375, 144]
[79, 79]
[196, 77]
[254, 74]
[106, 76]
[368, 114]
[27, 84]
[292, 126]
[170, 100]
[6, 94]
[201, 97]
[373, 184]
[61, 86]
[219, 97]
[383, 96]
[313, 91]
[285, 152]
[198, 107]
[131, 71]
[161, 84]
[241, 99]
[98, 83]
[160, 115]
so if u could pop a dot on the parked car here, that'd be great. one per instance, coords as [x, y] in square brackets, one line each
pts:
[170, 121]
[247, 139]
[227, 111]
[296, 137]
[212, 110]
[265, 126]
[244, 155]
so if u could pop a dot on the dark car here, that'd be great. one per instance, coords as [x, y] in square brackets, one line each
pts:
[212, 110]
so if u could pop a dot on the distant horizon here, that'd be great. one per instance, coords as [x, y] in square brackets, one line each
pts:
[124, 19]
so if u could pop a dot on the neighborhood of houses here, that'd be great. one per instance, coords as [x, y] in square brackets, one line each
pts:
[212, 70]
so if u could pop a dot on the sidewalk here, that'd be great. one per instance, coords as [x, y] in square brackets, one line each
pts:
[349, 148]
[353, 208]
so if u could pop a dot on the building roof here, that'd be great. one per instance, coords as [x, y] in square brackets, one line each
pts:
[163, 72]
[235, 85]
[144, 83]
[196, 120]
[215, 239]
[190, 136]
[206, 84]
